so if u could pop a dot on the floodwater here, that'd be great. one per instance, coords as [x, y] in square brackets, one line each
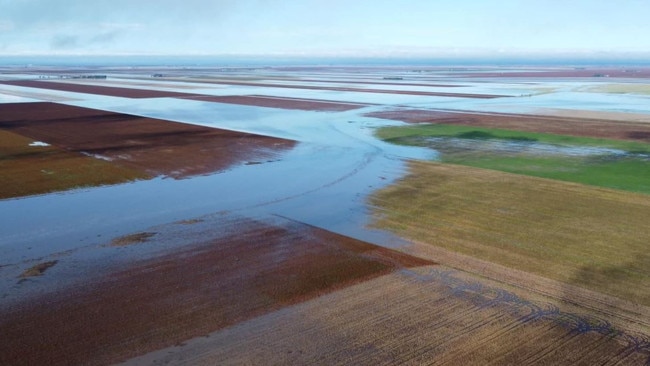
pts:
[324, 181]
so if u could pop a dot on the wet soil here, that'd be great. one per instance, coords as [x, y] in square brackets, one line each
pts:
[252, 100]
[250, 268]
[95, 89]
[360, 90]
[588, 127]
[278, 102]
[154, 146]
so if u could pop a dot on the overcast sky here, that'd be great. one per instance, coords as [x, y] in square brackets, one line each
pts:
[326, 28]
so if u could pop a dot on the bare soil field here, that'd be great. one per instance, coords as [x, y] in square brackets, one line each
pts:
[154, 147]
[347, 89]
[405, 83]
[95, 89]
[279, 102]
[252, 100]
[425, 315]
[574, 126]
[224, 273]
[28, 170]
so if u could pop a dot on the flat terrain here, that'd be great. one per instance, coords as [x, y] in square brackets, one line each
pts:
[588, 127]
[590, 237]
[33, 169]
[600, 162]
[222, 272]
[279, 229]
[117, 147]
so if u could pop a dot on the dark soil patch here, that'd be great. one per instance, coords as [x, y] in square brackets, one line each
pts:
[95, 89]
[132, 239]
[153, 146]
[277, 102]
[38, 269]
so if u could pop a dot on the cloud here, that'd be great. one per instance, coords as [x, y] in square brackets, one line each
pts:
[64, 42]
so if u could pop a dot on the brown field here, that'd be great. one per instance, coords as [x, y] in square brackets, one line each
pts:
[252, 100]
[364, 82]
[579, 235]
[95, 89]
[279, 102]
[28, 170]
[588, 127]
[347, 89]
[235, 270]
[150, 146]
[142, 93]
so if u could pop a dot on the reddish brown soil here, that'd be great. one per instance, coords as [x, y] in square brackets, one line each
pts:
[252, 100]
[358, 90]
[141, 93]
[158, 302]
[277, 102]
[95, 89]
[155, 146]
[633, 131]
[573, 73]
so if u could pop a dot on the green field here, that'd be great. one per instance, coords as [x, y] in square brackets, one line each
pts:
[587, 236]
[630, 171]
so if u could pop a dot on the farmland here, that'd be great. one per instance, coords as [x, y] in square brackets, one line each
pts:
[600, 162]
[572, 233]
[323, 215]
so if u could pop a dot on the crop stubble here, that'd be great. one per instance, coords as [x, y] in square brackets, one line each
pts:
[585, 236]
[416, 316]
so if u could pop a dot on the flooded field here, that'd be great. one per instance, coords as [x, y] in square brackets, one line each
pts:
[202, 213]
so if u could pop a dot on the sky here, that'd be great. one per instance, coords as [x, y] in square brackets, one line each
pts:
[327, 28]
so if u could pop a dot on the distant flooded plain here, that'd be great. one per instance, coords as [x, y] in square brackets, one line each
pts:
[126, 156]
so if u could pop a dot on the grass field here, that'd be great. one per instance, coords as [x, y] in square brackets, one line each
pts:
[28, 170]
[627, 170]
[581, 235]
